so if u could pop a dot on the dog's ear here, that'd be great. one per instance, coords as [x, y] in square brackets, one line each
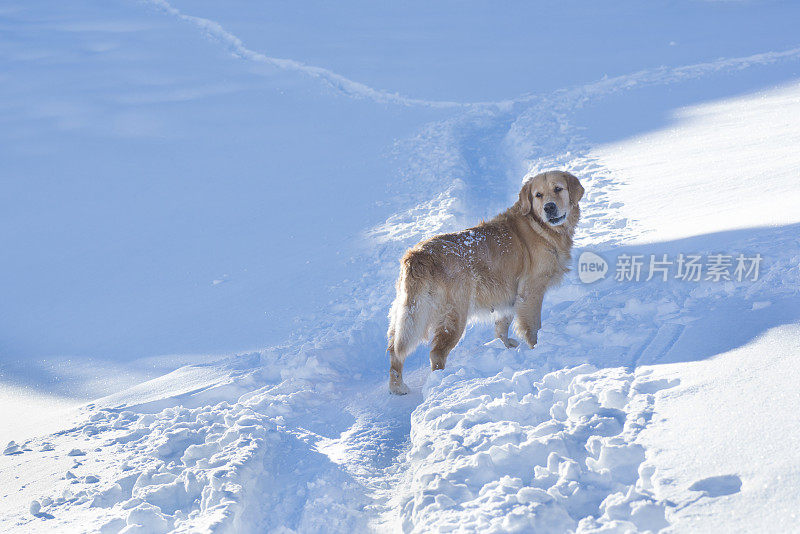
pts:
[575, 189]
[523, 205]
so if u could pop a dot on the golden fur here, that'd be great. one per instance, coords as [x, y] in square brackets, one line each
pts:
[499, 269]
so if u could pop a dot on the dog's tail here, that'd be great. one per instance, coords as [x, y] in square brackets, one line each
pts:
[412, 308]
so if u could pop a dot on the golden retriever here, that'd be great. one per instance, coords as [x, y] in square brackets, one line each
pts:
[497, 270]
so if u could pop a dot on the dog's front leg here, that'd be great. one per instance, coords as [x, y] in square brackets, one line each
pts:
[529, 315]
[501, 332]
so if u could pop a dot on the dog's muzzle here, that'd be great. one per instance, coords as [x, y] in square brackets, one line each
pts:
[551, 213]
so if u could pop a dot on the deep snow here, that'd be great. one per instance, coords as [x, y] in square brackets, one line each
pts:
[151, 192]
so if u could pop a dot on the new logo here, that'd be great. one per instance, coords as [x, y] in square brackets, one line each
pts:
[591, 267]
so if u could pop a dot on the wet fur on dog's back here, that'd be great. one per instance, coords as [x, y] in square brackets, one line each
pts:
[498, 270]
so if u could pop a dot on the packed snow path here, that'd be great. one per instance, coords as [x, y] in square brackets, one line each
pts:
[304, 437]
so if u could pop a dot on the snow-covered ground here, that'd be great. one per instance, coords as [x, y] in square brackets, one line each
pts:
[204, 206]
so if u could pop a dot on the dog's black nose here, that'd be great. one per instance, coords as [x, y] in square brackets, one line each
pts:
[550, 207]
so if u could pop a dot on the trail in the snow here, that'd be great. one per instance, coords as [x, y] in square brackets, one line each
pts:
[352, 88]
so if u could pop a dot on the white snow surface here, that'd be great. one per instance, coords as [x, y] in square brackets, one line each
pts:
[753, 485]
[723, 151]
[646, 406]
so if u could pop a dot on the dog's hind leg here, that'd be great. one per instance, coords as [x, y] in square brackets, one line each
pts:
[405, 332]
[396, 384]
[501, 331]
[410, 314]
[446, 337]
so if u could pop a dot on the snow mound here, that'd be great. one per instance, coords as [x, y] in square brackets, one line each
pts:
[522, 452]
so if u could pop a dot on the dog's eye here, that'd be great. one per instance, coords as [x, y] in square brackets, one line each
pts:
[538, 195]
[558, 189]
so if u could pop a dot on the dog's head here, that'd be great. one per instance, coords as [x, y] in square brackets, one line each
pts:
[550, 196]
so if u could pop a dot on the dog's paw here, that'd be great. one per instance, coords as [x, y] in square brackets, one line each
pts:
[398, 389]
[511, 343]
[532, 340]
